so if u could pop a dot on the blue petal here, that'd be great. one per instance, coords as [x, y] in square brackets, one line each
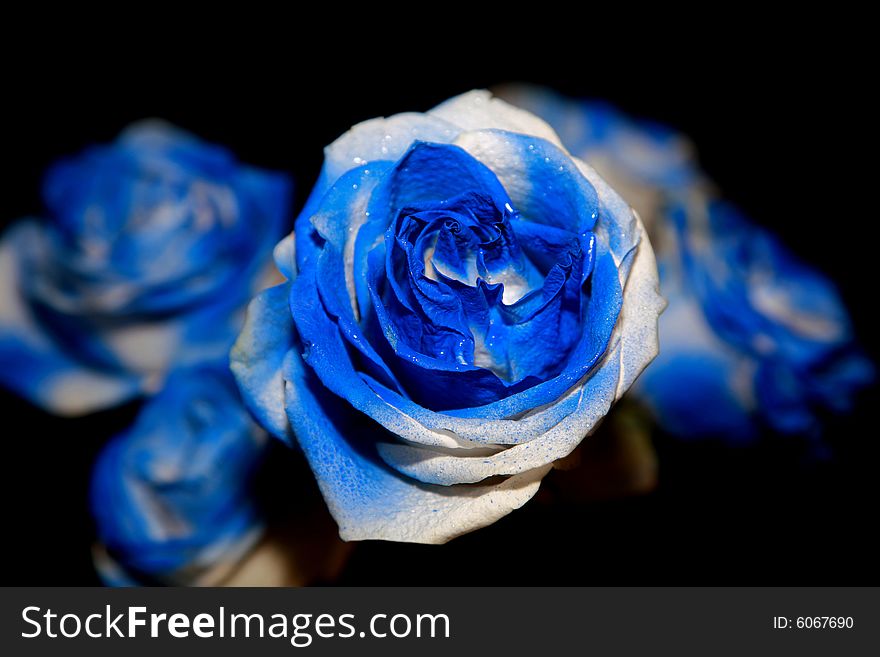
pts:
[327, 240]
[594, 398]
[339, 216]
[330, 269]
[257, 357]
[368, 499]
[544, 184]
[601, 312]
[432, 173]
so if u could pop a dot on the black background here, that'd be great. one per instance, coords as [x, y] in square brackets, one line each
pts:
[777, 120]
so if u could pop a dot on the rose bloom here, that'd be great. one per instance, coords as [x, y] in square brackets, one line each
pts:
[465, 301]
[151, 248]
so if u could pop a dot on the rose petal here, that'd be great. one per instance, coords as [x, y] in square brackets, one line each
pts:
[380, 139]
[257, 357]
[642, 305]
[368, 500]
[595, 397]
[284, 255]
[477, 430]
[544, 183]
[478, 110]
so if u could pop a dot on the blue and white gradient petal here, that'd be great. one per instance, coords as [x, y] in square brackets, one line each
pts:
[643, 160]
[752, 337]
[151, 248]
[173, 496]
[465, 302]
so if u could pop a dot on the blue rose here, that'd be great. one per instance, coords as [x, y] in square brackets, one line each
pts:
[751, 337]
[755, 335]
[465, 302]
[153, 246]
[173, 496]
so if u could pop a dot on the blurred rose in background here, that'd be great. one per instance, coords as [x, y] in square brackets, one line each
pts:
[174, 496]
[151, 248]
